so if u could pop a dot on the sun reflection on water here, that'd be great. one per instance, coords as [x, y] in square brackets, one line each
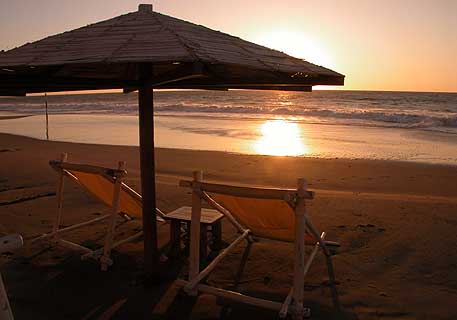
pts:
[280, 138]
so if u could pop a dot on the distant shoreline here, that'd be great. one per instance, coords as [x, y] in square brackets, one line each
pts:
[184, 90]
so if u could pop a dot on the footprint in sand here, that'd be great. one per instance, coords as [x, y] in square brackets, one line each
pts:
[360, 236]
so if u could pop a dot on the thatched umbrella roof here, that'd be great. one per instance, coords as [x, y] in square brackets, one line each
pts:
[144, 50]
[107, 54]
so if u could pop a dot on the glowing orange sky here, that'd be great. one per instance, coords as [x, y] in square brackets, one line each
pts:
[408, 45]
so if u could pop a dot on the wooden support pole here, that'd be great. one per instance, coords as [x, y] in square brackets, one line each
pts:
[194, 257]
[299, 263]
[147, 161]
[47, 117]
[60, 188]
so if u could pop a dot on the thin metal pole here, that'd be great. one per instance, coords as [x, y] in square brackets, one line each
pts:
[148, 186]
[47, 117]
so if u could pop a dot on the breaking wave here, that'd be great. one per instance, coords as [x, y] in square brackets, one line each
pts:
[425, 111]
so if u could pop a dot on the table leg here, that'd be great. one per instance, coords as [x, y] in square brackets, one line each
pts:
[175, 238]
[203, 242]
[217, 236]
[187, 239]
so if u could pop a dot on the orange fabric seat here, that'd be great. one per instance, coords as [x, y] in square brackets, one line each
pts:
[102, 188]
[266, 218]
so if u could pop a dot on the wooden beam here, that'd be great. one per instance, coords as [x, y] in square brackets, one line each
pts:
[224, 211]
[228, 86]
[170, 79]
[186, 77]
[246, 192]
[234, 296]
[87, 168]
[72, 227]
[148, 186]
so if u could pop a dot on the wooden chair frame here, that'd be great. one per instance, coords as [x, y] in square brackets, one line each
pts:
[117, 176]
[293, 304]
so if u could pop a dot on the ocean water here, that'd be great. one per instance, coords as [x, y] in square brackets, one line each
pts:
[351, 124]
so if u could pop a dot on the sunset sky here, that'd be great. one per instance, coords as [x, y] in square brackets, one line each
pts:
[408, 45]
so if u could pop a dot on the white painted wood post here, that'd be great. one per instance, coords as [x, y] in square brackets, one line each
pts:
[194, 257]
[60, 188]
[105, 260]
[299, 263]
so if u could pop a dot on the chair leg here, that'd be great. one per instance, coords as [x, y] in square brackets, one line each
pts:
[331, 275]
[105, 260]
[243, 262]
[203, 243]
[226, 310]
[60, 188]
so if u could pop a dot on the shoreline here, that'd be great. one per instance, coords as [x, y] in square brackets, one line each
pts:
[421, 162]
[304, 157]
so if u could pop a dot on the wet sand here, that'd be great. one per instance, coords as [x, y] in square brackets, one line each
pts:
[396, 223]
[280, 137]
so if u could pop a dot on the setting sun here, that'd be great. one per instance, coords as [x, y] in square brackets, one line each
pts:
[280, 138]
[296, 44]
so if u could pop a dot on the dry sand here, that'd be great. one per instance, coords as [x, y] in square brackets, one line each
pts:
[396, 222]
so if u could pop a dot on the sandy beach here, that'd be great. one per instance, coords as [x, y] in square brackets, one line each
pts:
[395, 221]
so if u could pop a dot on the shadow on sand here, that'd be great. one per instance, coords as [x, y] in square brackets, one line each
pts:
[52, 284]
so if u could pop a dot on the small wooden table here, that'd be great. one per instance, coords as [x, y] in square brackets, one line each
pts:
[209, 219]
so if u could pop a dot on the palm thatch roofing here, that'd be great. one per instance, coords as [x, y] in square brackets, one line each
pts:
[113, 54]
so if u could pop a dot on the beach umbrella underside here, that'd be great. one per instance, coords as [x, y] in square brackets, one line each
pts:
[144, 50]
